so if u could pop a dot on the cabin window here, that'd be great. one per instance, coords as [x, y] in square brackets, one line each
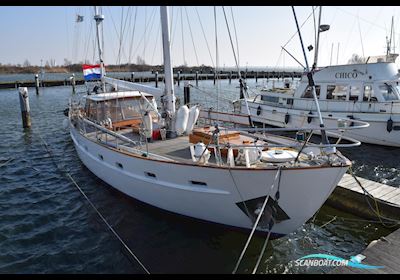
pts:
[388, 92]
[267, 98]
[369, 93]
[308, 93]
[336, 92]
[354, 93]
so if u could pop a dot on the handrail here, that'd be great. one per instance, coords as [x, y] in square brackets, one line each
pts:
[123, 138]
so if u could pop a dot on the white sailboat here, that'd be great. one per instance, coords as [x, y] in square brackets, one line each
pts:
[368, 92]
[213, 173]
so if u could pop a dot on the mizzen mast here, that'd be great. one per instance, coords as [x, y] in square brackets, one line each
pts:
[98, 17]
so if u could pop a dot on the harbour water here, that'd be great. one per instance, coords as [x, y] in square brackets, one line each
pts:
[46, 226]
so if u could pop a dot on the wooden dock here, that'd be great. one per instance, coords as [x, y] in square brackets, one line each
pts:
[383, 252]
[160, 77]
[349, 197]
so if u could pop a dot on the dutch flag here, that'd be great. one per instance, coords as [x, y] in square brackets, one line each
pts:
[91, 72]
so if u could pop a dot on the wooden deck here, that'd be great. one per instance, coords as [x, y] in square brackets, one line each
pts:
[349, 197]
[383, 252]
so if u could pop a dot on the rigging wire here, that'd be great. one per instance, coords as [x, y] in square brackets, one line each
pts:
[133, 34]
[230, 38]
[236, 37]
[183, 41]
[115, 28]
[349, 36]
[290, 39]
[191, 35]
[216, 58]
[68, 42]
[120, 37]
[148, 32]
[68, 175]
[256, 222]
[173, 28]
[158, 35]
[300, 27]
[367, 21]
[204, 35]
[88, 40]
[315, 26]
[359, 29]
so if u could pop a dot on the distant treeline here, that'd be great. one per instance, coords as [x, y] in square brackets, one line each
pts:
[73, 68]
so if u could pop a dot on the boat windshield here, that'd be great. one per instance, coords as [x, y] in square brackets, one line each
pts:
[118, 109]
[389, 91]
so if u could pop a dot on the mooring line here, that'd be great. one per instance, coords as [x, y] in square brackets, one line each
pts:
[376, 211]
[255, 226]
[5, 163]
[93, 206]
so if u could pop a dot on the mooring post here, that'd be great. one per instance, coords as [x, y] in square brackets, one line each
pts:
[37, 84]
[256, 77]
[179, 78]
[156, 78]
[230, 77]
[197, 78]
[241, 96]
[73, 83]
[24, 104]
[132, 76]
[215, 76]
[186, 93]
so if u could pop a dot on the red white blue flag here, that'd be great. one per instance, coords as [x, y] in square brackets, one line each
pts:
[91, 72]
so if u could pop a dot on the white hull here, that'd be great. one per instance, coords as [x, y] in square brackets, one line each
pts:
[302, 190]
[376, 133]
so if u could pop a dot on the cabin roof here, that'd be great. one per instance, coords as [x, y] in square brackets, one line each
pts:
[116, 95]
[357, 73]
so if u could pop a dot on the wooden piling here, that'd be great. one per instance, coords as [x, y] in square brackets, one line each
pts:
[73, 83]
[179, 78]
[132, 77]
[215, 77]
[24, 105]
[230, 77]
[156, 78]
[37, 84]
[186, 93]
[256, 77]
[197, 78]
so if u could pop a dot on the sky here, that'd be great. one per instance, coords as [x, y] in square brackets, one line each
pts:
[38, 34]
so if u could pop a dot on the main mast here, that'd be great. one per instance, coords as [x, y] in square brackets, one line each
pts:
[169, 96]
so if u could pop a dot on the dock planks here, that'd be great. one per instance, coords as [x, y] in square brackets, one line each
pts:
[383, 252]
[349, 196]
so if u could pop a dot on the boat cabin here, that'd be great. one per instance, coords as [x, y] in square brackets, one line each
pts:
[372, 87]
[119, 109]
[375, 82]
